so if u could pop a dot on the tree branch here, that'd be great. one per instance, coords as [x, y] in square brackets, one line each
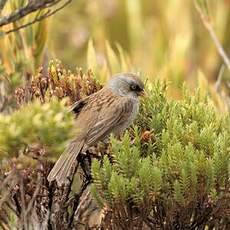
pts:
[47, 14]
[206, 22]
[219, 79]
[30, 8]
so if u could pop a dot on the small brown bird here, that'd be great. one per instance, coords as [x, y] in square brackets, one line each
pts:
[110, 110]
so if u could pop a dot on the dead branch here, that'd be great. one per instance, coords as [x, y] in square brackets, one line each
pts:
[219, 79]
[206, 22]
[31, 7]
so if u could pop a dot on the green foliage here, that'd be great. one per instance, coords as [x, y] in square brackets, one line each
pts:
[50, 125]
[186, 164]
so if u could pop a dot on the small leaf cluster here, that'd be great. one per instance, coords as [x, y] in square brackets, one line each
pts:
[42, 123]
[57, 82]
[48, 125]
[177, 177]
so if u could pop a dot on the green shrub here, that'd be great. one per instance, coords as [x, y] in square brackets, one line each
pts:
[176, 178]
[49, 125]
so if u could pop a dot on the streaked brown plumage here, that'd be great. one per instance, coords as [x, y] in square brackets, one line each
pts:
[110, 110]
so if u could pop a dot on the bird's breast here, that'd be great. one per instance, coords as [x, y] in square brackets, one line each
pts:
[133, 113]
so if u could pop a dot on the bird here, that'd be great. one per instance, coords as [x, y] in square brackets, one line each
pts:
[110, 110]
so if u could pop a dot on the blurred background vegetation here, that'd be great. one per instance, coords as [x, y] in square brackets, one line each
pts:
[162, 38]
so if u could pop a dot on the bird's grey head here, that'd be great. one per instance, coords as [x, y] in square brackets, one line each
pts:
[126, 84]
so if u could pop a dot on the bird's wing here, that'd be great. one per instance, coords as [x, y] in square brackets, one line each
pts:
[63, 166]
[97, 118]
[110, 116]
[79, 105]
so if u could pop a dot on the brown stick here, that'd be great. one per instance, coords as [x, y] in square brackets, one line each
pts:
[28, 9]
[206, 22]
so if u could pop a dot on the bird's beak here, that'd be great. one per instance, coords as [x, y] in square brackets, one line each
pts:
[142, 93]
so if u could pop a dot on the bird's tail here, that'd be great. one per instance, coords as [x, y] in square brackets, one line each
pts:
[62, 168]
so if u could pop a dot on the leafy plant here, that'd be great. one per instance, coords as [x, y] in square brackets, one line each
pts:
[49, 125]
[33, 133]
[176, 178]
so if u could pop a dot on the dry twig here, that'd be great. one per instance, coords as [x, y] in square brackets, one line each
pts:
[30, 8]
[219, 79]
[206, 22]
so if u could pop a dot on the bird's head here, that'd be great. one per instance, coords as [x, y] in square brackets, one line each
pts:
[126, 84]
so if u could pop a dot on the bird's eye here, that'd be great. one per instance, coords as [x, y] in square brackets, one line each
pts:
[133, 87]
